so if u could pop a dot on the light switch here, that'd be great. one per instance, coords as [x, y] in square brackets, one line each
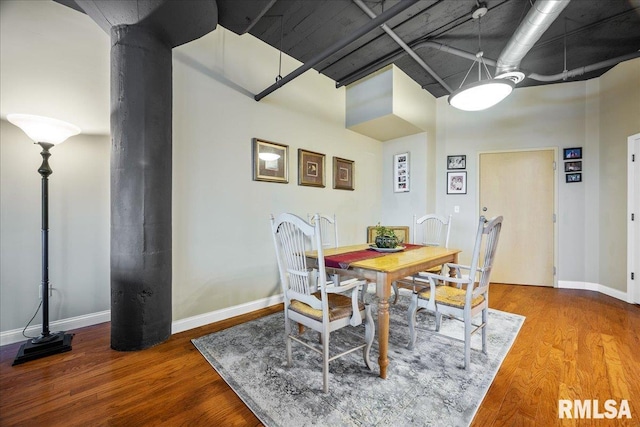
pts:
[456, 209]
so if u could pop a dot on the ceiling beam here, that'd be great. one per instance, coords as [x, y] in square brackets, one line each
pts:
[340, 44]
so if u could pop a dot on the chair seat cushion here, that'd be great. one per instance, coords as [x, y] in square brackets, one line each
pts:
[449, 295]
[339, 307]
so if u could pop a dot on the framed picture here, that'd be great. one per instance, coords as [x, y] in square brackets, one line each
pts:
[456, 182]
[572, 153]
[573, 166]
[310, 168]
[573, 177]
[457, 162]
[401, 173]
[270, 161]
[343, 174]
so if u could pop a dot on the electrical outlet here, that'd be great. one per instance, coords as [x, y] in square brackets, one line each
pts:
[456, 209]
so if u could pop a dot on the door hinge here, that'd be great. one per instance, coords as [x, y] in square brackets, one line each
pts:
[633, 276]
[633, 157]
[633, 217]
[554, 218]
[554, 270]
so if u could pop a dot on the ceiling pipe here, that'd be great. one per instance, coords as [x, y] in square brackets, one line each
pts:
[340, 44]
[391, 59]
[540, 17]
[404, 46]
[347, 80]
[255, 20]
[583, 70]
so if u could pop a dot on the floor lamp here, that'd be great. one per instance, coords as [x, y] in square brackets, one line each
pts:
[45, 132]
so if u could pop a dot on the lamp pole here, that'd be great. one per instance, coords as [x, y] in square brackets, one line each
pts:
[45, 171]
[46, 133]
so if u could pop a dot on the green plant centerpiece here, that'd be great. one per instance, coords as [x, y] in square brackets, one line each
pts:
[385, 237]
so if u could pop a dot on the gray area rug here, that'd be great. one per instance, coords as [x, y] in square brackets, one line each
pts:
[427, 386]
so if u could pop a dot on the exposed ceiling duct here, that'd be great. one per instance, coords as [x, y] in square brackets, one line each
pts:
[484, 94]
[557, 36]
[537, 21]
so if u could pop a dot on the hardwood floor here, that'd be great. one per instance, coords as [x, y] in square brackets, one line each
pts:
[573, 345]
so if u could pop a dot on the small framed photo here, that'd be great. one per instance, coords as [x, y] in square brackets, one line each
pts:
[573, 177]
[457, 162]
[401, 173]
[572, 153]
[343, 174]
[575, 166]
[310, 168]
[270, 161]
[456, 182]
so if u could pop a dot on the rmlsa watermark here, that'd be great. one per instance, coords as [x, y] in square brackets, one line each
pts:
[592, 409]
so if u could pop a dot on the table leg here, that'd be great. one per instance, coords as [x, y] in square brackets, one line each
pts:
[383, 290]
[452, 271]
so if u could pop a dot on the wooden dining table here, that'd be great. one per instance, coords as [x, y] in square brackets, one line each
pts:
[384, 270]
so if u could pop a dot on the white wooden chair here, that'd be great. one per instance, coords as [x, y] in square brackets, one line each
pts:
[324, 308]
[467, 298]
[428, 230]
[328, 230]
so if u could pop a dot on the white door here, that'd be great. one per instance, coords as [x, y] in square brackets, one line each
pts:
[520, 186]
[633, 218]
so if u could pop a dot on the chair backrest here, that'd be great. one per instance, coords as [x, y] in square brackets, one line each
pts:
[290, 236]
[328, 229]
[401, 232]
[484, 251]
[435, 230]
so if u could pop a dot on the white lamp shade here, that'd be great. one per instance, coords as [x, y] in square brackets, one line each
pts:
[481, 95]
[44, 129]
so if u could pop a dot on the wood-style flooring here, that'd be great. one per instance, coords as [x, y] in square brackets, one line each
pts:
[573, 345]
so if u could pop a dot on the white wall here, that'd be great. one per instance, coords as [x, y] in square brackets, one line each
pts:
[222, 249]
[54, 62]
[619, 118]
[78, 227]
[597, 115]
[536, 117]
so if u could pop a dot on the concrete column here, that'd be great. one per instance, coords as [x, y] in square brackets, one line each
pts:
[141, 112]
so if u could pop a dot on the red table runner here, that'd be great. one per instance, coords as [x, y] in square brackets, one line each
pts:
[343, 260]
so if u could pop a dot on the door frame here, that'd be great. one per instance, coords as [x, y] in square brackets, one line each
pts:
[633, 207]
[555, 195]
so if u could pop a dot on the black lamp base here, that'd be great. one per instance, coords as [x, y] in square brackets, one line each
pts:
[58, 342]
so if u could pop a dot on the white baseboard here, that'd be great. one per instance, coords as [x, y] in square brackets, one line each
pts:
[15, 335]
[225, 313]
[587, 286]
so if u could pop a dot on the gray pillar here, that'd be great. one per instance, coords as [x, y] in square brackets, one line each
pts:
[141, 106]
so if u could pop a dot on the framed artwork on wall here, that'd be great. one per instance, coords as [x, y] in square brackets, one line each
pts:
[310, 168]
[572, 153]
[457, 162]
[270, 161]
[401, 173]
[457, 182]
[573, 177]
[573, 166]
[343, 174]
